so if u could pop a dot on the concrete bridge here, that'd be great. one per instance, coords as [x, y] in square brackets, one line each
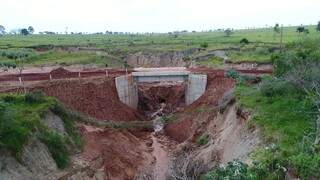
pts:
[128, 91]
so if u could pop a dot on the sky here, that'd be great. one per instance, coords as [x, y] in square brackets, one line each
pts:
[154, 15]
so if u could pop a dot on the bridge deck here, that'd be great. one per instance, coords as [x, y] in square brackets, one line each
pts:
[155, 76]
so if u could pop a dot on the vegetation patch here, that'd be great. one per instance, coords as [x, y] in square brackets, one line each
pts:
[20, 119]
[168, 119]
[203, 140]
[212, 62]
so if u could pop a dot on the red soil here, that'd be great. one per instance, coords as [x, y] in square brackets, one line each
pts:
[153, 95]
[96, 97]
[119, 153]
[61, 73]
[183, 127]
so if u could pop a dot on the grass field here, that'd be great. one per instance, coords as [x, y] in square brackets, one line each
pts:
[119, 46]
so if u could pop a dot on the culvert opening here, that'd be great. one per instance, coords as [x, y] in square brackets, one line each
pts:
[160, 98]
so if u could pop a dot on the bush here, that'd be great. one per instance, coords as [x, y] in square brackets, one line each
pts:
[15, 130]
[8, 64]
[67, 119]
[306, 165]
[234, 170]
[57, 148]
[2, 106]
[272, 87]
[203, 140]
[262, 51]
[19, 53]
[34, 97]
[299, 53]
[232, 74]
[244, 41]
[204, 45]
[20, 120]
[10, 98]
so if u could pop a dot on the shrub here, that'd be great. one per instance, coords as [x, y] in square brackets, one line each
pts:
[204, 45]
[306, 165]
[262, 51]
[203, 140]
[14, 54]
[20, 120]
[57, 148]
[186, 58]
[232, 74]
[2, 106]
[10, 98]
[244, 41]
[15, 130]
[8, 64]
[272, 87]
[35, 97]
[233, 170]
[300, 53]
[58, 109]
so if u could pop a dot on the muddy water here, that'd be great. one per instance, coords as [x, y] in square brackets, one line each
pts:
[160, 151]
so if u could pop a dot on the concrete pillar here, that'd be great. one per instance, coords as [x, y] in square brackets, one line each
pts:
[127, 91]
[197, 84]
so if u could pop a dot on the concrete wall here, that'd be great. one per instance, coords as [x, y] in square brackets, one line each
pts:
[127, 91]
[161, 76]
[197, 84]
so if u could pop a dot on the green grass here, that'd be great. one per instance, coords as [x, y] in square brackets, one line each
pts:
[287, 120]
[284, 119]
[212, 62]
[20, 119]
[119, 46]
[67, 58]
[155, 41]
[249, 56]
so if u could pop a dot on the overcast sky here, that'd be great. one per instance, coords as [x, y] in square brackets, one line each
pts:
[154, 15]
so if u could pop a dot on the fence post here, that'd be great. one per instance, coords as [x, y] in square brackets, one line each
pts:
[50, 76]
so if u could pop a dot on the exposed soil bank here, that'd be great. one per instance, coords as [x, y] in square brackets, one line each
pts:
[96, 97]
[168, 59]
[167, 96]
[216, 88]
[119, 153]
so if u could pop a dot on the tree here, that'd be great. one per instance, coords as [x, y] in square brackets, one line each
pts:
[276, 28]
[24, 31]
[2, 30]
[300, 29]
[318, 26]
[228, 32]
[31, 29]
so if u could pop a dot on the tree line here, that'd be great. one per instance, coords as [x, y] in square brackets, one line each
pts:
[228, 31]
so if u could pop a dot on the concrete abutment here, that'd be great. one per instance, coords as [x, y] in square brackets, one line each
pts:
[128, 92]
